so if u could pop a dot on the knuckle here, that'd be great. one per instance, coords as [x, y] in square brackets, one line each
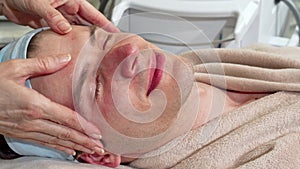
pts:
[32, 5]
[34, 109]
[72, 121]
[25, 127]
[51, 145]
[72, 146]
[33, 114]
[10, 133]
[53, 140]
[22, 127]
[52, 14]
[45, 144]
[90, 144]
[65, 135]
[15, 126]
[79, 147]
[60, 142]
[43, 63]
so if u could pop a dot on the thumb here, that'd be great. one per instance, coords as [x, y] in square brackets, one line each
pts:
[56, 21]
[44, 65]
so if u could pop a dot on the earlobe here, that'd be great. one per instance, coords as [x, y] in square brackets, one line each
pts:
[107, 159]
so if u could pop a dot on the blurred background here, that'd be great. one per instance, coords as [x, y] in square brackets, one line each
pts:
[219, 23]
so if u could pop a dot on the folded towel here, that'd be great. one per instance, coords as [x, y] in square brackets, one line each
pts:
[255, 69]
[262, 134]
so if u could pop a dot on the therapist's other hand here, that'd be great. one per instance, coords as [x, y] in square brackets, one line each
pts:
[25, 114]
[58, 14]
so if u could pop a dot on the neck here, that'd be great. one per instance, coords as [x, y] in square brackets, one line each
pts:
[216, 102]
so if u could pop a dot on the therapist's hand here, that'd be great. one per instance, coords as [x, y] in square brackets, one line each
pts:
[58, 14]
[25, 114]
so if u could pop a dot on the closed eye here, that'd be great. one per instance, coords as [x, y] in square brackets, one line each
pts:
[106, 41]
[99, 87]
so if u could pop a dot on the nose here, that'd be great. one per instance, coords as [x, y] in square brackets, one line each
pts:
[124, 59]
[129, 61]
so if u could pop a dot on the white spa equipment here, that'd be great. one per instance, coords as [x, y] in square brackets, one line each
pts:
[207, 23]
[10, 31]
[180, 25]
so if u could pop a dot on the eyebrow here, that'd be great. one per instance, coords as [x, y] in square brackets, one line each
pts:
[79, 85]
[92, 33]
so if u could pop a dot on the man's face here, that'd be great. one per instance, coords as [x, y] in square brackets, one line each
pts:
[138, 89]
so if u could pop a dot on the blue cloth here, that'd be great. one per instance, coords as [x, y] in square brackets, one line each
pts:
[18, 50]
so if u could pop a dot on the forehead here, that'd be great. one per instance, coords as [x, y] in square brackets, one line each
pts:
[51, 43]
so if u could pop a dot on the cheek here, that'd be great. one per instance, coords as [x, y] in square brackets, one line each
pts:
[117, 118]
[172, 95]
[137, 89]
[57, 87]
[114, 58]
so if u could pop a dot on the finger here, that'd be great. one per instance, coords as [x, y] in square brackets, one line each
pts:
[34, 24]
[44, 132]
[62, 132]
[42, 65]
[57, 3]
[13, 133]
[7, 11]
[56, 143]
[53, 17]
[92, 15]
[61, 148]
[41, 107]
[57, 22]
[72, 119]
[37, 23]
[57, 147]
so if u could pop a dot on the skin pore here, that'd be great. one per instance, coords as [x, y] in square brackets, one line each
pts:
[120, 58]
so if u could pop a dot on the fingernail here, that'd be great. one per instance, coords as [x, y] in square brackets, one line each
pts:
[98, 143]
[64, 59]
[100, 151]
[64, 27]
[96, 136]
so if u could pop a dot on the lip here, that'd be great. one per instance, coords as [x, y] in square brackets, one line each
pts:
[156, 72]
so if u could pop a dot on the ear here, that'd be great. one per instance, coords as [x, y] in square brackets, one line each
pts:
[107, 159]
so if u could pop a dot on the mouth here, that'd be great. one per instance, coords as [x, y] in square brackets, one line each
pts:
[156, 72]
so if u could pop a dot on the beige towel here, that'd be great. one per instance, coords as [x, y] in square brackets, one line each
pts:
[260, 69]
[262, 134]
